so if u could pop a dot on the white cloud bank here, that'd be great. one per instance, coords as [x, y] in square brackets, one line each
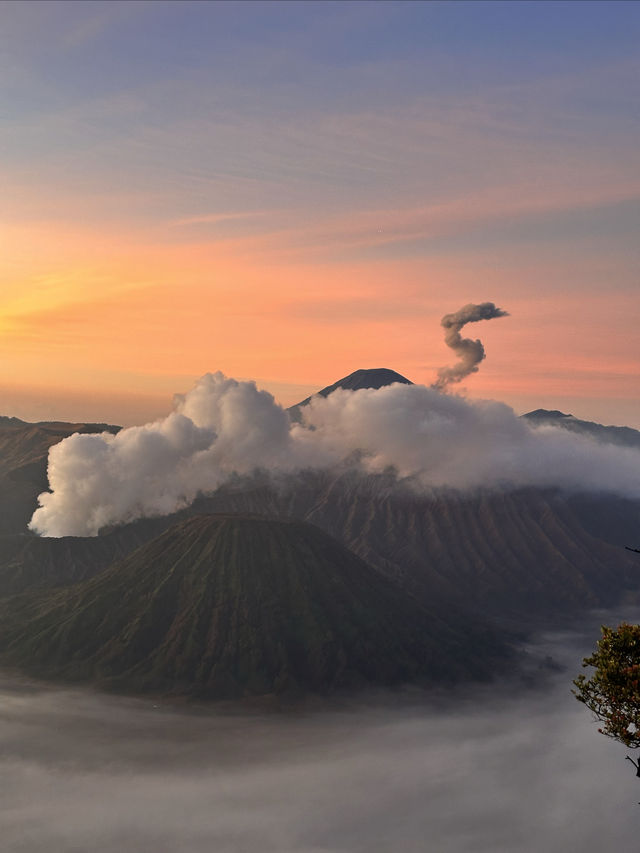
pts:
[224, 427]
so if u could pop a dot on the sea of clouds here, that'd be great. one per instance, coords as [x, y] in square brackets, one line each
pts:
[506, 768]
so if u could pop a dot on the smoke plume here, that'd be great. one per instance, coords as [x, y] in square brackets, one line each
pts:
[223, 427]
[470, 352]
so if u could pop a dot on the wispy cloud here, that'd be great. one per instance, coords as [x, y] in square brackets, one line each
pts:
[219, 218]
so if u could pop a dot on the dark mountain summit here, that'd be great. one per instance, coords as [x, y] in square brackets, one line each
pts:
[546, 415]
[375, 377]
[228, 606]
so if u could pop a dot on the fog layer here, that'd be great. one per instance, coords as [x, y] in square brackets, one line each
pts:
[496, 770]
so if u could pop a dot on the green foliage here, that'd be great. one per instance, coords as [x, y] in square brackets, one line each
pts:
[613, 691]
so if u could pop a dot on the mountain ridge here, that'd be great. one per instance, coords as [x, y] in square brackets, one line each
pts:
[622, 436]
[24, 449]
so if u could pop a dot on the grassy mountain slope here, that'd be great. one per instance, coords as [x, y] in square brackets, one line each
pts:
[526, 552]
[29, 561]
[226, 606]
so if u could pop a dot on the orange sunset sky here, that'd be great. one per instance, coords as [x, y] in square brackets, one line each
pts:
[289, 192]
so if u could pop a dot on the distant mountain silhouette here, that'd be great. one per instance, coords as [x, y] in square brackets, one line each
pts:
[622, 436]
[376, 377]
[230, 606]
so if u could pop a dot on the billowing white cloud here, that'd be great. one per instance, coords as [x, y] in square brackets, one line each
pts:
[224, 427]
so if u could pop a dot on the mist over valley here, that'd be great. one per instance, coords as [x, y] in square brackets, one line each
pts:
[502, 767]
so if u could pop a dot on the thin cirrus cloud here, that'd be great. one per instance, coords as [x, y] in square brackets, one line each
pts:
[319, 158]
[220, 218]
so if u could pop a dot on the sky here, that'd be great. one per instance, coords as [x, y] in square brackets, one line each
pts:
[288, 192]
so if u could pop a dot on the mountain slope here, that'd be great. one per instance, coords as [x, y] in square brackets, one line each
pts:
[225, 606]
[529, 553]
[28, 561]
[24, 449]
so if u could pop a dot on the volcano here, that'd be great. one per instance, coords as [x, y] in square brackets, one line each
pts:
[227, 606]
[375, 377]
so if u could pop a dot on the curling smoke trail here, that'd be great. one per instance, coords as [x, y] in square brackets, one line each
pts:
[470, 352]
